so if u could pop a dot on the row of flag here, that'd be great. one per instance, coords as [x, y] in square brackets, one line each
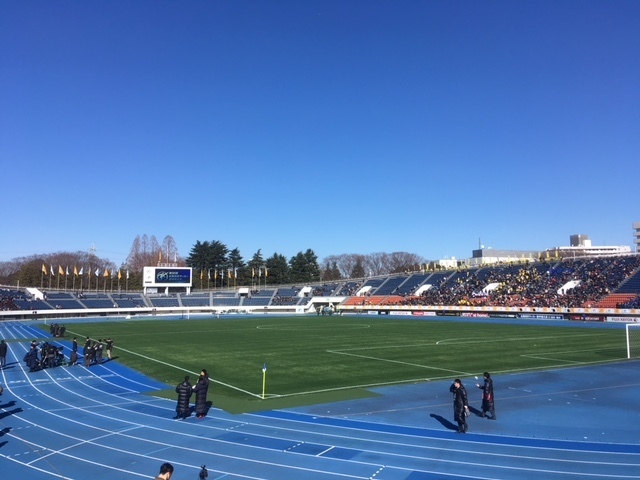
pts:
[79, 273]
[232, 273]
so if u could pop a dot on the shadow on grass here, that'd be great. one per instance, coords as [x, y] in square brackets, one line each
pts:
[237, 406]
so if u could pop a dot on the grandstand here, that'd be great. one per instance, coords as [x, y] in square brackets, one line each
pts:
[593, 288]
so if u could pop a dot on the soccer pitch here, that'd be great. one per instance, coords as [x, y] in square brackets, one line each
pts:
[312, 359]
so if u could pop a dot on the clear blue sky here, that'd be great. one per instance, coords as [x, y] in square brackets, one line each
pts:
[337, 125]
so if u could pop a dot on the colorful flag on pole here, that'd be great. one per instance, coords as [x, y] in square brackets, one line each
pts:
[106, 272]
[119, 274]
[51, 271]
[44, 269]
[60, 270]
[127, 274]
[97, 272]
[81, 271]
[265, 271]
[67, 271]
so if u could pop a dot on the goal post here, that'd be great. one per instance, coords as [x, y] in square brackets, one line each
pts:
[633, 340]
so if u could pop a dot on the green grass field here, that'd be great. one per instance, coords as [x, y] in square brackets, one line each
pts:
[318, 359]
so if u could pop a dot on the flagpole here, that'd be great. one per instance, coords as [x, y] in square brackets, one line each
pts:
[264, 380]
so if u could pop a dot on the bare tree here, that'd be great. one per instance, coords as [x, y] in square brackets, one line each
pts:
[169, 249]
[404, 262]
[376, 263]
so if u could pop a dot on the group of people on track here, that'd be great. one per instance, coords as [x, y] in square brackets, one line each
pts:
[185, 389]
[461, 402]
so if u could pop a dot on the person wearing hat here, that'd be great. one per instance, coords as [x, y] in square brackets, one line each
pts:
[487, 396]
[460, 405]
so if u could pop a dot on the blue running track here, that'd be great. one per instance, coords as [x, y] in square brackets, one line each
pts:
[100, 423]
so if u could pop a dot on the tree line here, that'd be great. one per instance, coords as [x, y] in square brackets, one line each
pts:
[214, 264]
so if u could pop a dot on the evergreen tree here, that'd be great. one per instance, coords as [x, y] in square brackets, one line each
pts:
[278, 269]
[358, 269]
[304, 268]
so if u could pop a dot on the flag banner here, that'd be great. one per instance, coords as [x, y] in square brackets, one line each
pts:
[81, 271]
[44, 269]
[97, 272]
[265, 271]
[119, 274]
[67, 272]
[75, 271]
[51, 271]
[106, 272]
[60, 270]
[127, 274]
[253, 272]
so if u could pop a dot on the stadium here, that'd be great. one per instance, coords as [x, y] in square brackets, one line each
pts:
[335, 380]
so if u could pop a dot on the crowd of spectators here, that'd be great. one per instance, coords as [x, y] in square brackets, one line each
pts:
[571, 283]
[633, 303]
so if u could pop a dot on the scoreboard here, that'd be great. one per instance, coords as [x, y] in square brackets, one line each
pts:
[167, 277]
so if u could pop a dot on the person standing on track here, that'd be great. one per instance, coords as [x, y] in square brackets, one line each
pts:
[200, 390]
[3, 354]
[184, 391]
[460, 405]
[488, 404]
[109, 345]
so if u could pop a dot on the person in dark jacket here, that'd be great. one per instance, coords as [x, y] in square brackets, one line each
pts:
[184, 391]
[3, 353]
[487, 396]
[200, 390]
[460, 405]
[31, 359]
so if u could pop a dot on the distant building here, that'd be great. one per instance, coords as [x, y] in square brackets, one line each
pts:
[636, 233]
[487, 256]
[580, 246]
